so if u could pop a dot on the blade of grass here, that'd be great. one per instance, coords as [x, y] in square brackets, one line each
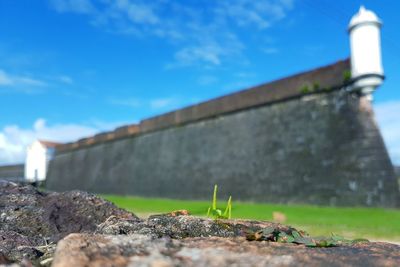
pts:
[214, 202]
[228, 209]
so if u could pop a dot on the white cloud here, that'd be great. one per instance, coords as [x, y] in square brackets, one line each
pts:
[387, 115]
[137, 12]
[211, 49]
[162, 103]
[254, 13]
[270, 50]
[208, 54]
[154, 104]
[128, 102]
[19, 82]
[28, 81]
[65, 79]
[207, 80]
[76, 6]
[5, 79]
[244, 74]
[201, 36]
[14, 139]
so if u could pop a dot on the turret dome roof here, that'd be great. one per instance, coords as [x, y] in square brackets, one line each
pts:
[364, 16]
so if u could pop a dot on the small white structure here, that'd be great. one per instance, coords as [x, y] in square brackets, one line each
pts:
[38, 155]
[366, 62]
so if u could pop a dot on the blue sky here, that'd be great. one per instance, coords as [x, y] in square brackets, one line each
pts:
[71, 68]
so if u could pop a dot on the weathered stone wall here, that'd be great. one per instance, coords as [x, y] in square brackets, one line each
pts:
[397, 171]
[12, 172]
[326, 78]
[301, 139]
[321, 148]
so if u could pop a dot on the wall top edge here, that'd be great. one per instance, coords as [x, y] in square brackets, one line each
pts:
[319, 80]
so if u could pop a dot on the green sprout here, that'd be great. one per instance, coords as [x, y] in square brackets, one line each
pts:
[347, 76]
[216, 213]
[316, 86]
[305, 89]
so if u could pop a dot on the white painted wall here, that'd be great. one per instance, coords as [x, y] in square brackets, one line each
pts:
[37, 157]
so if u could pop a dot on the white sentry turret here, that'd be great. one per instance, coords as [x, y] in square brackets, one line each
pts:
[366, 61]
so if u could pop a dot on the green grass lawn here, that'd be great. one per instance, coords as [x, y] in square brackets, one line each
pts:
[372, 223]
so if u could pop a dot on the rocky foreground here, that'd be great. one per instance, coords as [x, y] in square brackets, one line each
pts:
[79, 229]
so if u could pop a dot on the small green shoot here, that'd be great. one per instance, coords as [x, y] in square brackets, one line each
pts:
[316, 86]
[214, 202]
[216, 213]
[228, 209]
[347, 76]
[305, 89]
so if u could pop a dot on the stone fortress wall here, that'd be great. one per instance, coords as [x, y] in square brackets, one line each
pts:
[12, 172]
[301, 139]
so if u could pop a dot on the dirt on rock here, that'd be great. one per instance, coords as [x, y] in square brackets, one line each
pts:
[80, 229]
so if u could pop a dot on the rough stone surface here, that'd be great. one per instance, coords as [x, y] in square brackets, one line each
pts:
[140, 250]
[96, 233]
[179, 227]
[30, 220]
[321, 149]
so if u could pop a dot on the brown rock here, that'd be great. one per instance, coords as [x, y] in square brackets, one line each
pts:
[4, 260]
[179, 213]
[139, 250]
